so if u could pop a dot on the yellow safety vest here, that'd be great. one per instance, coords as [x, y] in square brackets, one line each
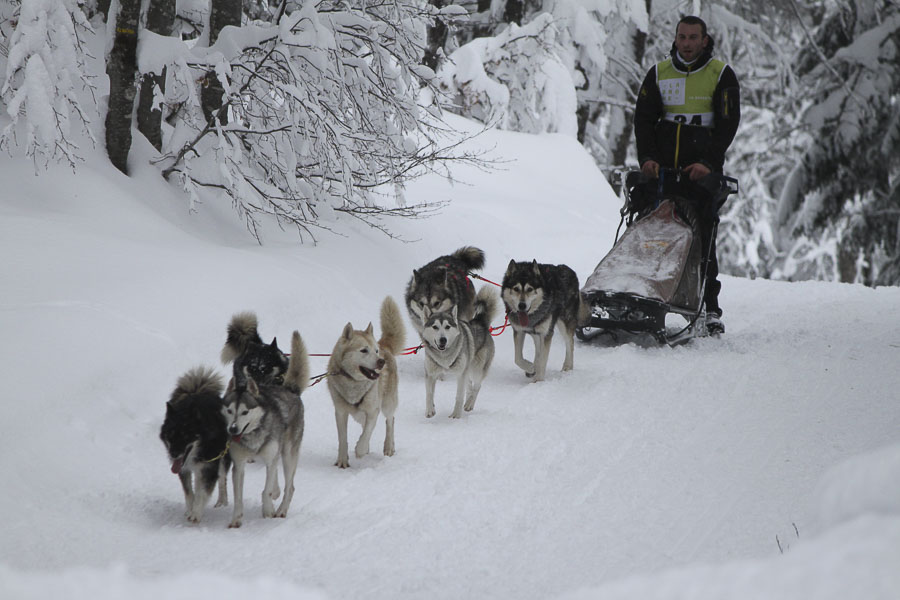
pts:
[688, 96]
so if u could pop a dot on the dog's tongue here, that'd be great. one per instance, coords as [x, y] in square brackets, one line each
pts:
[523, 318]
[237, 438]
[177, 464]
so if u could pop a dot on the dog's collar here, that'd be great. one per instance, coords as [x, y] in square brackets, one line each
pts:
[341, 372]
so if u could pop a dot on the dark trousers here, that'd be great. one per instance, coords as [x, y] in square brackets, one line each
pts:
[713, 285]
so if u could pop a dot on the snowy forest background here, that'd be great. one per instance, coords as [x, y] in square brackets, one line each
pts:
[294, 110]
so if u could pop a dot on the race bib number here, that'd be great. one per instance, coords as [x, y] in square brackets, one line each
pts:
[699, 120]
[672, 91]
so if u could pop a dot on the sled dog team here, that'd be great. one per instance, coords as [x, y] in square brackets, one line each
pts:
[259, 418]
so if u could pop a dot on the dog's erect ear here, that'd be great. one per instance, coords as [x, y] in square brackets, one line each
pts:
[537, 269]
[414, 277]
[455, 311]
[511, 267]
[230, 386]
[274, 343]
[348, 331]
[370, 330]
[252, 387]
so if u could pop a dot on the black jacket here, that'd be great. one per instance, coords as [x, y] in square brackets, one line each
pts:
[656, 138]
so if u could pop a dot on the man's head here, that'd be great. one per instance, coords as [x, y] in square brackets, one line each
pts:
[691, 38]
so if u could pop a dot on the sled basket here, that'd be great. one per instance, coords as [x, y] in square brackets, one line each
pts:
[657, 267]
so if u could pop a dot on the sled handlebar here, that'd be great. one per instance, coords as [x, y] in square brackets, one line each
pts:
[717, 185]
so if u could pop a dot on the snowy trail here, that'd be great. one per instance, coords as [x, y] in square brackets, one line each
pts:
[660, 463]
[639, 460]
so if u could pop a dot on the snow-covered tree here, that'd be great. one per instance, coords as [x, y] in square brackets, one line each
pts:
[321, 109]
[843, 191]
[757, 39]
[514, 80]
[530, 40]
[44, 78]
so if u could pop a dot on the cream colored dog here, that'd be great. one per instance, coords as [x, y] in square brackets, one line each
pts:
[363, 380]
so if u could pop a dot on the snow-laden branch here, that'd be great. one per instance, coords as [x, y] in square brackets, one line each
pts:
[45, 73]
[320, 113]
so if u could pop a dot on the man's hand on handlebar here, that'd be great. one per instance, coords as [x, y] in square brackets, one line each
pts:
[650, 168]
[696, 171]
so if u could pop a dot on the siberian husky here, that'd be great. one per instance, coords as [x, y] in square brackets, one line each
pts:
[442, 284]
[538, 298]
[195, 438]
[265, 363]
[363, 380]
[265, 423]
[463, 348]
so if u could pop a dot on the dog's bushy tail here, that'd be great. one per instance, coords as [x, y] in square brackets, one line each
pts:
[486, 303]
[242, 331]
[297, 377]
[199, 380]
[471, 256]
[393, 331]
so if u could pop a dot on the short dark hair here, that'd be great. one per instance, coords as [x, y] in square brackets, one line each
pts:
[692, 20]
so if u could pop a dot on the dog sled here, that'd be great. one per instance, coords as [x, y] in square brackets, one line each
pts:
[657, 269]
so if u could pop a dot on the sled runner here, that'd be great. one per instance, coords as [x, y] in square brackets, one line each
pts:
[658, 266]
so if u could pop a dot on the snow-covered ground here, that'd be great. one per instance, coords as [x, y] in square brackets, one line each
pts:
[765, 464]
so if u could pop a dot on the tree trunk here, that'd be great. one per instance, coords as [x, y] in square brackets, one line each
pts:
[103, 8]
[514, 11]
[160, 20]
[221, 14]
[435, 40]
[619, 146]
[620, 141]
[484, 27]
[121, 69]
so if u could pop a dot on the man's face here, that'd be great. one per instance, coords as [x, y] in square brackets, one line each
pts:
[690, 41]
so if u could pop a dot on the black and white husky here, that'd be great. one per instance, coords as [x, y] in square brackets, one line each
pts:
[265, 363]
[265, 423]
[195, 438]
[539, 298]
[462, 348]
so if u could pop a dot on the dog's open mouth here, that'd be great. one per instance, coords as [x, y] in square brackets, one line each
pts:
[523, 318]
[237, 437]
[369, 373]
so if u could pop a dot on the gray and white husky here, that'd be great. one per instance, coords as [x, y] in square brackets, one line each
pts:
[539, 298]
[462, 348]
[442, 284]
[265, 423]
[363, 380]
